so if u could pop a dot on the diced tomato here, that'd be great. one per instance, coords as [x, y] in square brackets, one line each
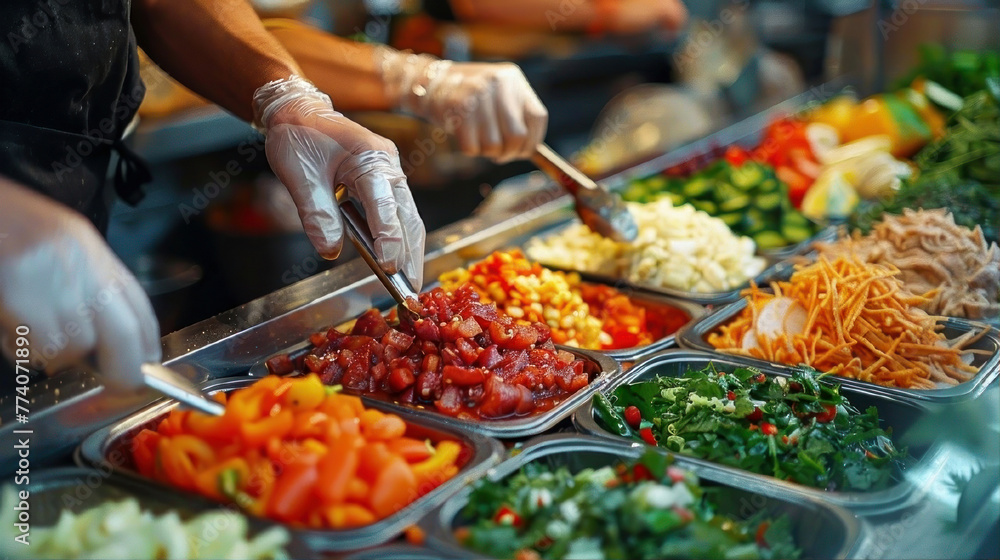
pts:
[633, 416]
[280, 365]
[463, 376]
[641, 472]
[400, 379]
[507, 516]
[768, 429]
[450, 402]
[647, 436]
[756, 415]
[736, 156]
[397, 339]
[372, 324]
[761, 532]
[828, 414]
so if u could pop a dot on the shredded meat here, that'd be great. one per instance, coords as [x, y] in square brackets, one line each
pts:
[951, 265]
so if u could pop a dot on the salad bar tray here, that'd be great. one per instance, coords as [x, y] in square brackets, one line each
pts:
[694, 337]
[602, 369]
[826, 531]
[55, 492]
[109, 449]
[901, 416]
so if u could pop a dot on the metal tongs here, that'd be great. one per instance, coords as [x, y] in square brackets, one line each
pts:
[600, 210]
[174, 385]
[357, 229]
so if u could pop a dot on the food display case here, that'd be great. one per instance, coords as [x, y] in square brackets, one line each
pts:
[944, 504]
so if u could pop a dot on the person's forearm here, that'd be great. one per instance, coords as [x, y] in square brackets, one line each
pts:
[217, 48]
[534, 14]
[341, 68]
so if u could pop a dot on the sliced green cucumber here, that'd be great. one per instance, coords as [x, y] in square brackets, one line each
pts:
[697, 187]
[754, 222]
[795, 234]
[769, 240]
[706, 206]
[736, 203]
[657, 183]
[732, 219]
[769, 201]
[747, 175]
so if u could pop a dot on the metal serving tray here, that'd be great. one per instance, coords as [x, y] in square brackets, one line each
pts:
[820, 530]
[78, 489]
[602, 369]
[927, 452]
[694, 337]
[107, 449]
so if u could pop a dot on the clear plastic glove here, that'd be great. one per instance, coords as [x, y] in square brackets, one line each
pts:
[312, 148]
[490, 107]
[59, 278]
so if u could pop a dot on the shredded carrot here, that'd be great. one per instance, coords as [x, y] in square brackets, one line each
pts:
[859, 324]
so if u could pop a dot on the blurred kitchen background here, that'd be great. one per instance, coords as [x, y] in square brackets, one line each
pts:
[217, 229]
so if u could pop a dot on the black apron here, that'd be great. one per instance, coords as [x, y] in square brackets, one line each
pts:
[69, 85]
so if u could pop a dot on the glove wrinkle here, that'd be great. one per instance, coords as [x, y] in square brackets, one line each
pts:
[312, 148]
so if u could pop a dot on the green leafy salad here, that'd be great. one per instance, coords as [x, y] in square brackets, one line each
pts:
[648, 510]
[799, 429]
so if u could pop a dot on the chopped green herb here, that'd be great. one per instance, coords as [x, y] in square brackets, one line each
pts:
[800, 429]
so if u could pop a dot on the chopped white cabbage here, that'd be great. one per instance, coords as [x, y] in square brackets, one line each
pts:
[123, 530]
[677, 247]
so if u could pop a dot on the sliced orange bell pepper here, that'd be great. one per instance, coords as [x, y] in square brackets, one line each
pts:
[337, 469]
[413, 450]
[394, 489]
[144, 451]
[386, 428]
[372, 458]
[275, 397]
[346, 516]
[294, 489]
[261, 431]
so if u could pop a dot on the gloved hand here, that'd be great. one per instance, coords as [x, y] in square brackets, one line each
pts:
[312, 148]
[491, 107]
[59, 278]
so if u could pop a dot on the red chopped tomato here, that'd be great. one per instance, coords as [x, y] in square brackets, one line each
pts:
[507, 516]
[462, 357]
[768, 429]
[736, 156]
[761, 532]
[647, 436]
[633, 416]
[828, 414]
